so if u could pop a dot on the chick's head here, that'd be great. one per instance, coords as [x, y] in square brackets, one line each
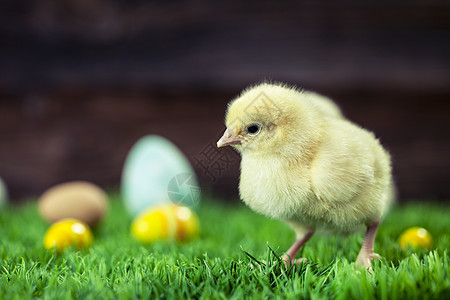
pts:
[267, 118]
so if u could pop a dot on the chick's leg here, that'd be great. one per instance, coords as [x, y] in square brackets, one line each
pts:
[366, 254]
[289, 257]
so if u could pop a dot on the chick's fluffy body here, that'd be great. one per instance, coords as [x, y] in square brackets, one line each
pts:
[308, 165]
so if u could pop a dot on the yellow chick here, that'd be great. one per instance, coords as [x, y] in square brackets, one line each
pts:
[305, 164]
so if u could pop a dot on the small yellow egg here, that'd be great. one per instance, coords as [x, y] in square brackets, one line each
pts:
[188, 225]
[415, 237]
[67, 233]
[154, 224]
[166, 222]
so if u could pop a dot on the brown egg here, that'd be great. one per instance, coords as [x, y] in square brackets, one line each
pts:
[77, 199]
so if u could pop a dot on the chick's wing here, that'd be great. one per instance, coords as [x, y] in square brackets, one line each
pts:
[344, 163]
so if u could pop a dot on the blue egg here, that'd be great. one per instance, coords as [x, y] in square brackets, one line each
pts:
[3, 193]
[156, 172]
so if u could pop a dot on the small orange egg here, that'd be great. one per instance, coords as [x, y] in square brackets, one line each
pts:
[416, 237]
[68, 233]
[188, 225]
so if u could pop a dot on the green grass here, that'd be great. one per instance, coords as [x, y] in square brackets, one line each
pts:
[217, 265]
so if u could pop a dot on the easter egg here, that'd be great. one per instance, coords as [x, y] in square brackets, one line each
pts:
[416, 237]
[68, 233]
[78, 199]
[166, 222]
[187, 223]
[156, 172]
[155, 224]
[3, 193]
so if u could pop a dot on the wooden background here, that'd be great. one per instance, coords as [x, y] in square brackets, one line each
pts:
[81, 81]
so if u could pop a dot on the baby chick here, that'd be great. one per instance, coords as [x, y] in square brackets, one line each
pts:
[305, 164]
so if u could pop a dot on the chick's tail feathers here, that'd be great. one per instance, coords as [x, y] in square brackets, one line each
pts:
[392, 195]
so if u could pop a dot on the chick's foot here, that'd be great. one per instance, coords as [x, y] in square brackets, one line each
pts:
[366, 254]
[289, 257]
[365, 260]
[288, 261]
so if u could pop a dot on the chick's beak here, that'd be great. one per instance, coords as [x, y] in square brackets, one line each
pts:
[229, 138]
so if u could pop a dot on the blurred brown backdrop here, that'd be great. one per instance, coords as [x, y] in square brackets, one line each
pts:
[82, 80]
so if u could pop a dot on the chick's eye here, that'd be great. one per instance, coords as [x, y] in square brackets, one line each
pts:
[253, 129]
